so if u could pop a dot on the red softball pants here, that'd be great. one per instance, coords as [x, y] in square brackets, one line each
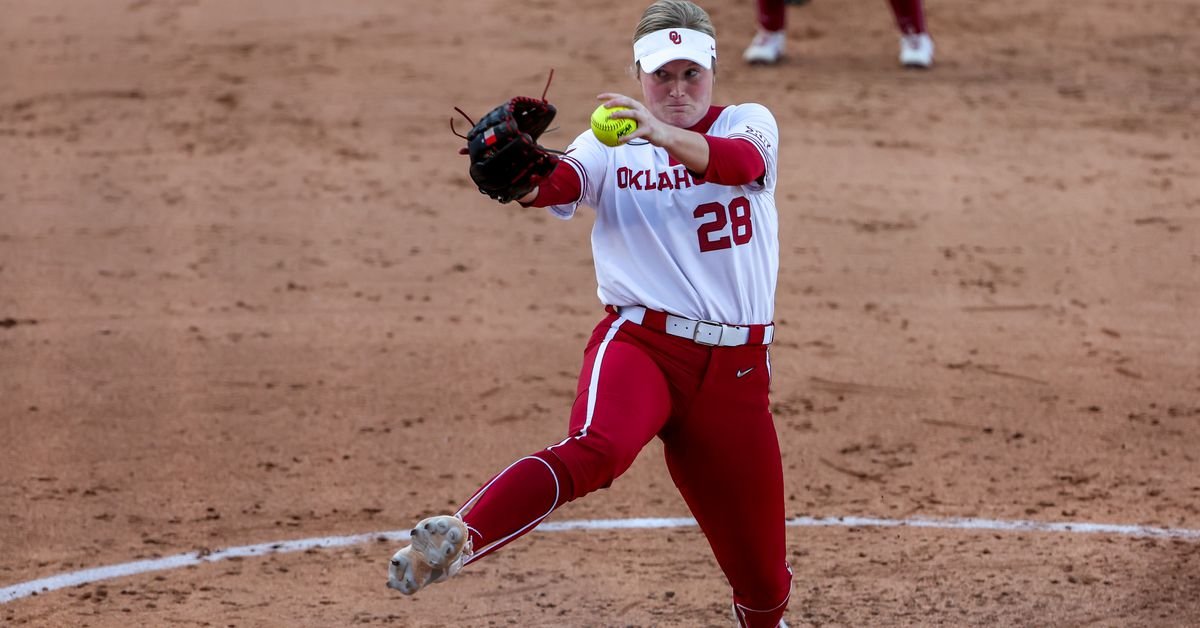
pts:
[910, 15]
[710, 408]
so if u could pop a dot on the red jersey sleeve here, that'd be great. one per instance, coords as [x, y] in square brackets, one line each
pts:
[733, 161]
[561, 187]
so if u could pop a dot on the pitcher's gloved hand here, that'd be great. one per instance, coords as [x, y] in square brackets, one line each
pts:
[506, 160]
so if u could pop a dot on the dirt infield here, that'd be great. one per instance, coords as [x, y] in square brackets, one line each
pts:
[248, 294]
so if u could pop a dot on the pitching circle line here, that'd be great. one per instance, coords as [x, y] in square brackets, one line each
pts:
[97, 574]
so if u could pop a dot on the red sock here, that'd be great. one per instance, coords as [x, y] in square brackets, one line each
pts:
[910, 16]
[771, 14]
[516, 500]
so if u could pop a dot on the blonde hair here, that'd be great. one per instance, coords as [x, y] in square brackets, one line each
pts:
[665, 14]
[674, 14]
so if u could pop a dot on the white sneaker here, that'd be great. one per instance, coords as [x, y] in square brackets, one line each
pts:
[440, 546]
[916, 50]
[766, 48]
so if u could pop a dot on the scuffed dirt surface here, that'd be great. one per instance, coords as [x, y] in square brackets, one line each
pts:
[248, 293]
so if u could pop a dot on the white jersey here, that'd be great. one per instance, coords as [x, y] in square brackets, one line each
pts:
[670, 242]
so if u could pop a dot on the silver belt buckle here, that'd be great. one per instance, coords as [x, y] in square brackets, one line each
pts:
[720, 330]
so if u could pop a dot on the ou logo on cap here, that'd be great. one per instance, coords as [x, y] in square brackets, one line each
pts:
[675, 38]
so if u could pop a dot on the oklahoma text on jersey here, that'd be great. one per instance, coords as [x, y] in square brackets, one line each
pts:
[678, 178]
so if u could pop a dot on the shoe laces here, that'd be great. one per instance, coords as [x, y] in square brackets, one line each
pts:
[468, 549]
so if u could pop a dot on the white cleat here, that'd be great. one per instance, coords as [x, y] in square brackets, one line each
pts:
[916, 50]
[766, 48]
[440, 546]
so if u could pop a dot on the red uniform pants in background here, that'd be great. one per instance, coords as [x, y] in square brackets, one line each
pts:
[910, 15]
[710, 407]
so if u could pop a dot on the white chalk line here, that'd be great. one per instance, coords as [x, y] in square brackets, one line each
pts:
[98, 574]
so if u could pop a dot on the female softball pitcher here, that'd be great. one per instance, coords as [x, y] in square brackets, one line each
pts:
[687, 256]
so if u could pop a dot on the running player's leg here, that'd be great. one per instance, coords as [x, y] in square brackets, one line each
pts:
[772, 15]
[910, 16]
[916, 46]
[724, 457]
[622, 403]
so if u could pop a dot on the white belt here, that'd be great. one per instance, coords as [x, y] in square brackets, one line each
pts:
[701, 332]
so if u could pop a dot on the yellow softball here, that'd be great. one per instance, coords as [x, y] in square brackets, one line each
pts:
[610, 130]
